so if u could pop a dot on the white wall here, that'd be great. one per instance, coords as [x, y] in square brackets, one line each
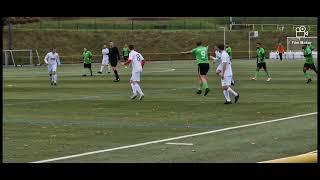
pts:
[291, 55]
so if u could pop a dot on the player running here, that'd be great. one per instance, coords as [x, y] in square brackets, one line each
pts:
[52, 60]
[261, 62]
[309, 63]
[135, 58]
[202, 60]
[226, 76]
[105, 59]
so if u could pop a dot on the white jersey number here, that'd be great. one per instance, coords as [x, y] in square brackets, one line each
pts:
[203, 54]
[138, 57]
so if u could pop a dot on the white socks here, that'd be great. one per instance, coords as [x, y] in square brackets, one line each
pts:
[55, 78]
[137, 87]
[133, 88]
[226, 95]
[232, 91]
[102, 67]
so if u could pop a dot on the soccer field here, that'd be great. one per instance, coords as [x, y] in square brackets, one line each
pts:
[89, 114]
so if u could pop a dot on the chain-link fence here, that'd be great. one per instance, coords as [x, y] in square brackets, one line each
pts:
[170, 23]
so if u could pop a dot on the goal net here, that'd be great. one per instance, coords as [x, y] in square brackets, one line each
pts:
[20, 57]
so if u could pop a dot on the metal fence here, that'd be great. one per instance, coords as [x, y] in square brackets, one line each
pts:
[172, 24]
[271, 27]
[130, 25]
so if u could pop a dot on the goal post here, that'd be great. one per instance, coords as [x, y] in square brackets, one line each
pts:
[252, 34]
[20, 57]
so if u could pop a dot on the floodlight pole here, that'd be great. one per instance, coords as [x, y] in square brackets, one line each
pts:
[10, 33]
[231, 22]
[249, 46]
[250, 42]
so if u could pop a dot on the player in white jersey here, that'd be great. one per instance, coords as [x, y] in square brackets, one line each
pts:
[52, 60]
[105, 59]
[226, 75]
[217, 60]
[135, 59]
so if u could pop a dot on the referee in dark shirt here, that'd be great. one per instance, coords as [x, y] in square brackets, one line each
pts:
[114, 56]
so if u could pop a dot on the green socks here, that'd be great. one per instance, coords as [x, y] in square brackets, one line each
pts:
[306, 75]
[257, 74]
[267, 73]
[200, 87]
[205, 85]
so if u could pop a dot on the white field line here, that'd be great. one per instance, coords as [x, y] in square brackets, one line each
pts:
[183, 144]
[171, 139]
[49, 100]
[167, 70]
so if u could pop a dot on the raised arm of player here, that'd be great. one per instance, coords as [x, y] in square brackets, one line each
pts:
[186, 52]
[129, 59]
[45, 58]
[127, 62]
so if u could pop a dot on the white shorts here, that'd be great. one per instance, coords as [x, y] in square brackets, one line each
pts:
[52, 68]
[105, 61]
[135, 76]
[226, 81]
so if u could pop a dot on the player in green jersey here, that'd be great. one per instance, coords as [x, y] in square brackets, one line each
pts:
[125, 52]
[86, 57]
[202, 60]
[229, 51]
[261, 62]
[309, 63]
